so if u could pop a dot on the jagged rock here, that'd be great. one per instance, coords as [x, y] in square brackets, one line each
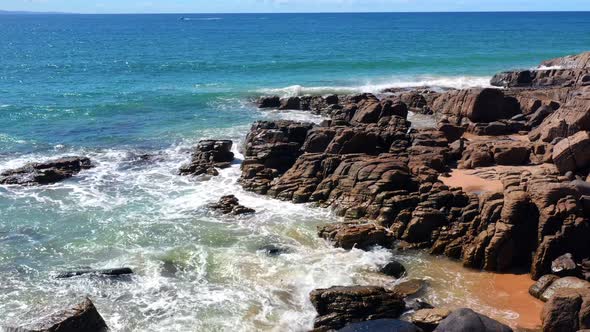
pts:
[82, 317]
[47, 172]
[207, 156]
[271, 148]
[339, 306]
[563, 283]
[429, 319]
[355, 235]
[230, 205]
[542, 284]
[572, 153]
[394, 269]
[381, 325]
[373, 110]
[105, 272]
[466, 320]
[567, 310]
[478, 105]
[269, 102]
[274, 250]
[566, 71]
[501, 152]
[570, 118]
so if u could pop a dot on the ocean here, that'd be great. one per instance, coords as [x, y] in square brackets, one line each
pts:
[118, 87]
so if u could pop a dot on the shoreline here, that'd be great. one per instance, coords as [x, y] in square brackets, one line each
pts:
[505, 159]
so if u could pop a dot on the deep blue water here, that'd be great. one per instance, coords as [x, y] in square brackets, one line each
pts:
[114, 86]
[107, 80]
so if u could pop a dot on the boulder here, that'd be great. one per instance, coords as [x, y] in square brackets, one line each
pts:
[539, 287]
[339, 306]
[381, 325]
[356, 235]
[572, 153]
[207, 156]
[467, 320]
[563, 283]
[565, 266]
[394, 269]
[409, 288]
[81, 317]
[477, 105]
[230, 205]
[44, 173]
[567, 310]
[429, 319]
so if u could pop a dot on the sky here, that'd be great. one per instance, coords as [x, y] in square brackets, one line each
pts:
[264, 6]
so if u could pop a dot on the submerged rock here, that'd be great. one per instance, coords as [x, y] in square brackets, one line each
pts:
[467, 320]
[106, 272]
[409, 288]
[47, 172]
[339, 306]
[207, 156]
[82, 317]
[381, 325]
[230, 205]
[394, 269]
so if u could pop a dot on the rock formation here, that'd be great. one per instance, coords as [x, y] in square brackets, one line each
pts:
[207, 156]
[47, 172]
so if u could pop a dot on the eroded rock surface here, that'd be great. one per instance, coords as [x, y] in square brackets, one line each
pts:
[208, 156]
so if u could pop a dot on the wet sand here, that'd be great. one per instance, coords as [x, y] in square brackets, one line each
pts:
[510, 292]
[471, 183]
[503, 297]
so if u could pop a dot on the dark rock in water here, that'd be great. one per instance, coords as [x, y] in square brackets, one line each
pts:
[542, 284]
[429, 319]
[273, 250]
[230, 204]
[269, 102]
[567, 310]
[106, 272]
[339, 306]
[409, 288]
[356, 235]
[207, 156]
[467, 320]
[417, 304]
[48, 172]
[394, 269]
[82, 317]
[381, 325]
[565, 266]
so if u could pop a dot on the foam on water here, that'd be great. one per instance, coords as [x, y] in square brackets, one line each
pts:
[456, 82]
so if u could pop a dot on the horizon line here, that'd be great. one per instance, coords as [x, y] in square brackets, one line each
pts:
[24, 12]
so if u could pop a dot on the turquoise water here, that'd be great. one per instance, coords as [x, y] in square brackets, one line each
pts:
[114, 87]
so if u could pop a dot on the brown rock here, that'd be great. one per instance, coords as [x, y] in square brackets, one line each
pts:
[428, 319]
[339, 306]
[563, 283]
[208, 155]
[355, 235]
[538, 288]
[230, 204]
[566, 311]
[572, 153]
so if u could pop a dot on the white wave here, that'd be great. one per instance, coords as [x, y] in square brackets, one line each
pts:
[202, 18]
[549, 68]
[456, 82]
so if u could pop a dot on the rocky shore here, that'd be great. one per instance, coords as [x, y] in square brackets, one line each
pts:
[500, 183]
[387, 179]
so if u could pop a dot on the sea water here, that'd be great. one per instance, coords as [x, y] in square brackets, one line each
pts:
[136, 92]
